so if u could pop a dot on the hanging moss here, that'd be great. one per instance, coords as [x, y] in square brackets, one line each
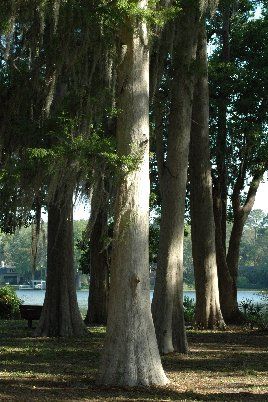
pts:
[57, 91]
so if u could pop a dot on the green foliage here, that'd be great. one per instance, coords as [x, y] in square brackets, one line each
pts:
[121, 10]
[189, 310]
[56, 98]
[154, 230]
[6, 14]
[238, 83]
[264, 296]
[15, 249]
[79, 228]
[255, 315]
[84, 151]
[253, 264]
[253, 271]
[83, 246]
[251, 277]
[9, 303]
[84, 260]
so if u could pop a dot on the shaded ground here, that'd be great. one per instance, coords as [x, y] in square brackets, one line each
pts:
[222, 366]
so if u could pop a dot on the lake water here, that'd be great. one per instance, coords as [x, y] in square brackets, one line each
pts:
[37, 296]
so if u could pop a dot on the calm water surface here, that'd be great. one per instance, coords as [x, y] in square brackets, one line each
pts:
[37, 296]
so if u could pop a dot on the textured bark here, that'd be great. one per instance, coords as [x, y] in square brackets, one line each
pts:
[99, 275]
[161, 50]
[167, 305]
[222, 126]
[208, 312]
[131, 356]
[232, 260]
[228, 302]
[220, 184]
[227, 285]
[60, 314]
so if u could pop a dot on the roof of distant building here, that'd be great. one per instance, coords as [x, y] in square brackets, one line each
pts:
[8, 270]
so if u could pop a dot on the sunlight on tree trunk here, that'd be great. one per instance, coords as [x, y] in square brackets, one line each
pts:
[130, 355]
[208, 312]
[167, 305]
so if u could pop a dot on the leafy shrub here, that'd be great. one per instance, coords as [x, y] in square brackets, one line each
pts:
[256, 315]
[189, 310]
[264, 296]
[264, 313]
[9, 303]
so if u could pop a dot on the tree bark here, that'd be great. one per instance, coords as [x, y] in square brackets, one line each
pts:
[60, 314]
[99, 274]
[222, 126]
[220, 183]
[225, 280]
[130, 356]
[227, 286]
[208, 312]
[241, 213]
[167, 305]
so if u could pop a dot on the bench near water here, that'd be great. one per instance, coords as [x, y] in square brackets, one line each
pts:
[30, 312]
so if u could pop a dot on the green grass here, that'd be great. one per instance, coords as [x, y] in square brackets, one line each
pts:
[230, 365]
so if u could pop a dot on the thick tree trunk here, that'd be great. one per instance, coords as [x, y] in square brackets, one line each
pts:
[60, 315]
[99, 276]
[167, 305]
[226, 286]
[208, 312]
[220, 184]
[131, 356]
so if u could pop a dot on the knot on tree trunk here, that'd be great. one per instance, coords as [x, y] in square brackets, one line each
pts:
[134, 281]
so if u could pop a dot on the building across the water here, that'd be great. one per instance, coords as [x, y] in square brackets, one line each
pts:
[9, 276]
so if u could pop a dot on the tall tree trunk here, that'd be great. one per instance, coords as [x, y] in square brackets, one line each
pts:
[60, 315]
[99, 276]
[229, 306]
[208, 312]
[130, 355]
[222, 125]
[167, 305]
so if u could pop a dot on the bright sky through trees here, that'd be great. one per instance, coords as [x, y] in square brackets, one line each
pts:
[261, 201]
[81, 210]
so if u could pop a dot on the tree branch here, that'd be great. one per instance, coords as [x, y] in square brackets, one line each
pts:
[252, 191]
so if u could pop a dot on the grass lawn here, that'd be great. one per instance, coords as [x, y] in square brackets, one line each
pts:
[221, 366]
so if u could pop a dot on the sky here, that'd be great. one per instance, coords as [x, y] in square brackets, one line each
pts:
[81, 211]
[261, 201]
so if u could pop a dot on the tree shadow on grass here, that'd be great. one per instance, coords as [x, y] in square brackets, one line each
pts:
[64, 370]
[226, 352]
[35, 389]
[225, 363]
[239, 336]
